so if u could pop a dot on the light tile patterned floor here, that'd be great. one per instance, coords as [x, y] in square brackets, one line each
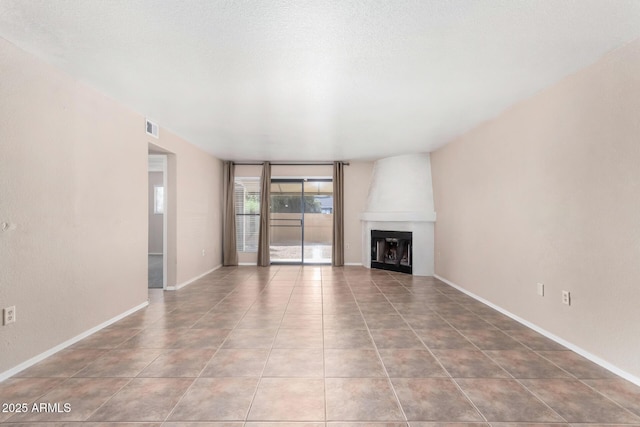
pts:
[319, 346]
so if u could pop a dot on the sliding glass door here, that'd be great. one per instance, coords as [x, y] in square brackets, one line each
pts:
[287, 219]
[301, 221]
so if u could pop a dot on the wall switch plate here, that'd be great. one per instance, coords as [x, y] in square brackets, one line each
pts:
[541, 289]
[566, 297]
[9, 315]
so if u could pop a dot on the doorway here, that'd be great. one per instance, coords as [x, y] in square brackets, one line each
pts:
[301, 218]
[157, 259]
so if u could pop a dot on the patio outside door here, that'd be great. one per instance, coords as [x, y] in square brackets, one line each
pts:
[301, 221]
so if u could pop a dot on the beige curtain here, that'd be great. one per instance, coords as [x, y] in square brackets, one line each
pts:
[264, 259]
[338, 214]
[229, 248]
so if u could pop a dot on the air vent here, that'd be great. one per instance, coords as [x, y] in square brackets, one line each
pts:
[152, 129]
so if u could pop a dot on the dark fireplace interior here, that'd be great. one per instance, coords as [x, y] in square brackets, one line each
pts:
[391, 250]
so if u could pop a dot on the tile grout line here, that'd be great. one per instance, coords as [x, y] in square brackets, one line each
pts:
[207, 363]
[375, 347]
[273, 341]
[434, 356]
[637, 415]
[324, 364]
[212, 356]
[518, 380]
[572, 377]
[493, 360]
[240, 286]
[130, 378]
[105, 352]
[108, 400]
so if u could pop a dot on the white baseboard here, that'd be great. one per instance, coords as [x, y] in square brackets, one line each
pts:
[24, 365]
[595, 359]
[190, 281]
[255, 264]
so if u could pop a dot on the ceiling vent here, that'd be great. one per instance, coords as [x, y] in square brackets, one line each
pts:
[152, 129]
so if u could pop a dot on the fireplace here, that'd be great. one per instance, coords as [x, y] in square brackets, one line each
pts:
[400, 198]
[392, 250]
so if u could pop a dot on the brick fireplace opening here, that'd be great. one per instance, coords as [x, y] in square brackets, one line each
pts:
[392, 250]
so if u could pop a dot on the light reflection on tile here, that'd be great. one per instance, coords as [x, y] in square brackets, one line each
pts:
[291, 346]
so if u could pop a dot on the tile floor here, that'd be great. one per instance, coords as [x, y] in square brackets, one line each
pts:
[318, 346]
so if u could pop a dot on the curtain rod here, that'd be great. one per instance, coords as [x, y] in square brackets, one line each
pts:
[291, 163]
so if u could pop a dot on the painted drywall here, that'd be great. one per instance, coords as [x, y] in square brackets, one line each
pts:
[74, 183]
[194, 208]
[401, 184]
[155, 219]
[73, 179]
[356, 185]
[356, 177]
[549, 192]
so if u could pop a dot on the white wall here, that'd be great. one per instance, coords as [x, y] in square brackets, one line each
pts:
[356, 186]
[402, 184]
[73, 180]
[549, 192]
[194, 212]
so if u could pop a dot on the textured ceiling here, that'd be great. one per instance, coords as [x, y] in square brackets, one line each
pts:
[322, 79]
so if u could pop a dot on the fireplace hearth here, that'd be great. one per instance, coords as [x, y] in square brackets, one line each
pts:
[392, 250]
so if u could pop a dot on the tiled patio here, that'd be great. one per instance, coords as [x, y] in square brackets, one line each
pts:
[313, 253]
[319, 346]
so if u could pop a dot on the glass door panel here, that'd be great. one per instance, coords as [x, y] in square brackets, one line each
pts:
[318, 221]
[301, 221]
[286, 221]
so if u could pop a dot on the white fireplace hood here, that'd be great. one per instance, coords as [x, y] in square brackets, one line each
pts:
[401, 199]
[401, 190]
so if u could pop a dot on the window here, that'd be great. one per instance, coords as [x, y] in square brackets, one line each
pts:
[158, 199]
[247, 194]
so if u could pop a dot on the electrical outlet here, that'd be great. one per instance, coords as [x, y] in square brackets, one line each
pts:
[9, 315]
[541, 289]
[203, 251]
[347, 246]
[566, 297]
